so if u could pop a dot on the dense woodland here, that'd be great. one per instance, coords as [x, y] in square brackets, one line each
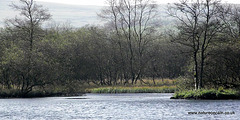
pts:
[201, 50]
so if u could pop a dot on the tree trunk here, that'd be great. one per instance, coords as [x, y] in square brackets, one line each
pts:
[196, 79]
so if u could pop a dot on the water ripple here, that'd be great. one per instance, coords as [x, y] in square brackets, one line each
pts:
[116, 106]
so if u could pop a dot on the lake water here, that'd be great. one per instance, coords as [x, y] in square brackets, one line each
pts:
[118, 106]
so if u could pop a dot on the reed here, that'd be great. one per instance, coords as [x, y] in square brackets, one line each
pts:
[145, 89]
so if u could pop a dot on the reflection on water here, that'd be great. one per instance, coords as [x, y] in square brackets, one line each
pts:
[118, 106]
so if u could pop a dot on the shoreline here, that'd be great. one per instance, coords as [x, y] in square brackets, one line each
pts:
[39, 95]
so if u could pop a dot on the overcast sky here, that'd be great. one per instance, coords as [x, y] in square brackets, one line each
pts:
[102, 2]
[72, 11]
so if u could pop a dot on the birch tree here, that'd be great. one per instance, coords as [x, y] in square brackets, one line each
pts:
[199, 24]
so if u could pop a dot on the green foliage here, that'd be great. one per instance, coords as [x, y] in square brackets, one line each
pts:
[12, 54]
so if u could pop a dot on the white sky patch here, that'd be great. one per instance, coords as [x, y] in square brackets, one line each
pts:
[231, 1]
[77, 2]
[103, 2]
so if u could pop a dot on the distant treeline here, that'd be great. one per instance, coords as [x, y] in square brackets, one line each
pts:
[129, 47]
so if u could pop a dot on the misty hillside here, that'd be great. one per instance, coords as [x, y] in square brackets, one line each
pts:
[76, 15]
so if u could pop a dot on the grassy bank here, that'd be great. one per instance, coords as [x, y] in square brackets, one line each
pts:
[78, 88]
[145, 89]
[212, 94]
[16, 94]
[47, 91]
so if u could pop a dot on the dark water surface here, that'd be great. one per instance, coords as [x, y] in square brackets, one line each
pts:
[118, 107]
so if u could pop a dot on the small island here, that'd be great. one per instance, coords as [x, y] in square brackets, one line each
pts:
[207, 94]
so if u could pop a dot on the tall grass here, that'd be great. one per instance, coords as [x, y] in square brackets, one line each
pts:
[145, 89]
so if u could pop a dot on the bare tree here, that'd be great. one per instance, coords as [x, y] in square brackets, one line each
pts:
[133, 21]
[188, 16]
[230, 14]
[29, 24]
[199, 25]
